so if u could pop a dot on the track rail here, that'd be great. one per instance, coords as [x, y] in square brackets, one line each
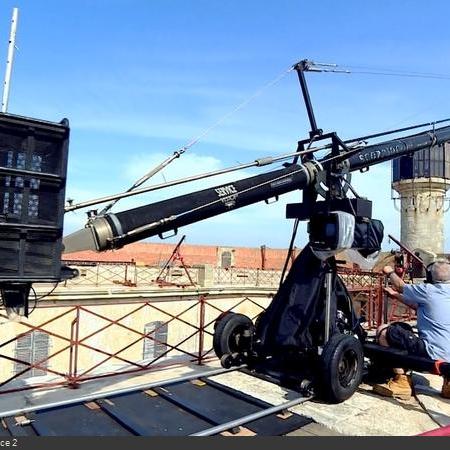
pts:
[99, 395]
[251, 417]
[191, 405]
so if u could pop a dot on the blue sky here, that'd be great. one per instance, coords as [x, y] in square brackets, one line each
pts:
[138, 79]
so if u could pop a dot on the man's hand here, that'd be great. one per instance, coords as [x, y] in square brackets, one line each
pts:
[391, 292]
[396, 281]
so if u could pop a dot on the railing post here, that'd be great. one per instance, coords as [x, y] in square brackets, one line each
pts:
[201, 330]
[73, 354]
[135, 273]
[380, 302]
[96, 279]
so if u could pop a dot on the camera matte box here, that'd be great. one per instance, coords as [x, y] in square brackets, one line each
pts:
[33, 170]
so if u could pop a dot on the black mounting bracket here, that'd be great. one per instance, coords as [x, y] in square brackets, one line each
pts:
[301, 67]
[356, 206]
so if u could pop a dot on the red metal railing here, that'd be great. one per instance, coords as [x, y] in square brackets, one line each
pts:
[366, 289]
[103, 334]
[113, 339]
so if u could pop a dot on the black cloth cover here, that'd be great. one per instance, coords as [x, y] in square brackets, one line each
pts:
[368, 236]
[295, 317]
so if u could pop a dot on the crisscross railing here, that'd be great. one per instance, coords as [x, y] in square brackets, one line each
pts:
[107, 336]
[246, 277]
[125, 273]
[106, 339]
[103, 273]
[366, 289]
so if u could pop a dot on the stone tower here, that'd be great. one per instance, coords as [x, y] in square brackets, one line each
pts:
[421, 181]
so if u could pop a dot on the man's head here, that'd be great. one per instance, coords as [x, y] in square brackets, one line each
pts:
[439, 271]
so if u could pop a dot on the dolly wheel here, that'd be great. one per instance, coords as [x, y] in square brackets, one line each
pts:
[341, 368]
[226, 361]
[233, 334]
[225, 313]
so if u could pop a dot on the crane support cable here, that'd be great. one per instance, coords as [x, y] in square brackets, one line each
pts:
[398, 130]
[170, 214]
[312, 66]
[177, 153]
[398, 74]
[241, 105]
[257, 163]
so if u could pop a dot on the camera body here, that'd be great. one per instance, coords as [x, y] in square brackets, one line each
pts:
[332, 231]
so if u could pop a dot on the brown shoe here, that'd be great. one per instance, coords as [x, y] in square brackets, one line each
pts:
[398, 387]
[446, 388]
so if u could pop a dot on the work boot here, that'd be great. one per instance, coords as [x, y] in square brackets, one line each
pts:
[398, 387]
[446, 388]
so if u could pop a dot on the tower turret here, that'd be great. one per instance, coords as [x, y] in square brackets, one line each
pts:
[421, 181]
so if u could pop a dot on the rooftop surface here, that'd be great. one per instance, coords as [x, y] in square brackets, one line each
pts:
[364, 414]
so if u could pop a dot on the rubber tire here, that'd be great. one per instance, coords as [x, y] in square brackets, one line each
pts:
[331, 388]
[221, 317]
[225, 327]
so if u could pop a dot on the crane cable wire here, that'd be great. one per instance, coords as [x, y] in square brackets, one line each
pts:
[204, 133]
[300, 169]
[400, 74]
[367, 70]
[316, 67]
[241, 105]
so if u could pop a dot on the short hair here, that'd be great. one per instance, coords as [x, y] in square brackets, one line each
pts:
[440, 270]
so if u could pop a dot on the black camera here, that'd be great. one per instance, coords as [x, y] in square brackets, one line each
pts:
[339, 230]
[331, 231]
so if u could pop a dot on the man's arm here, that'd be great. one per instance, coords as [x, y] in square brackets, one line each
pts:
[398, 296]
[396, 281]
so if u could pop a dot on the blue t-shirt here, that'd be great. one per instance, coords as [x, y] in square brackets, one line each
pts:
[433, 316]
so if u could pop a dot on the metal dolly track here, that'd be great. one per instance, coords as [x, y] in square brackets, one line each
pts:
[176, 407]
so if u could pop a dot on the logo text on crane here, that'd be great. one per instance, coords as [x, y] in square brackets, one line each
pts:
[226, 190]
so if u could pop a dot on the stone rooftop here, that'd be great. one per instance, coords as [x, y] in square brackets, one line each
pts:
[364, 414]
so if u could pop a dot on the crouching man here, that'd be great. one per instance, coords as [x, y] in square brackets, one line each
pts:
[432, 303]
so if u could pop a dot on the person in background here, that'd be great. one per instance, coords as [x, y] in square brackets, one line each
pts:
[431, 300]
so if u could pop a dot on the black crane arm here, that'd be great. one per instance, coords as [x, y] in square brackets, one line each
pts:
[116, 230]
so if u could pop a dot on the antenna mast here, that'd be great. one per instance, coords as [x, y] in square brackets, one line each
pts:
[9, 61]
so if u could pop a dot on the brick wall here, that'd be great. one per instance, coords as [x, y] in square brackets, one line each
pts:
[156, 254]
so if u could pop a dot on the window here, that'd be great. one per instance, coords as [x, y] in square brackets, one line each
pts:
[153, 348]
[32, 348]
[225, 262]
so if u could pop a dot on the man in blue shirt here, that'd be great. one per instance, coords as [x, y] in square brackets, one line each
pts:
[432, 303]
